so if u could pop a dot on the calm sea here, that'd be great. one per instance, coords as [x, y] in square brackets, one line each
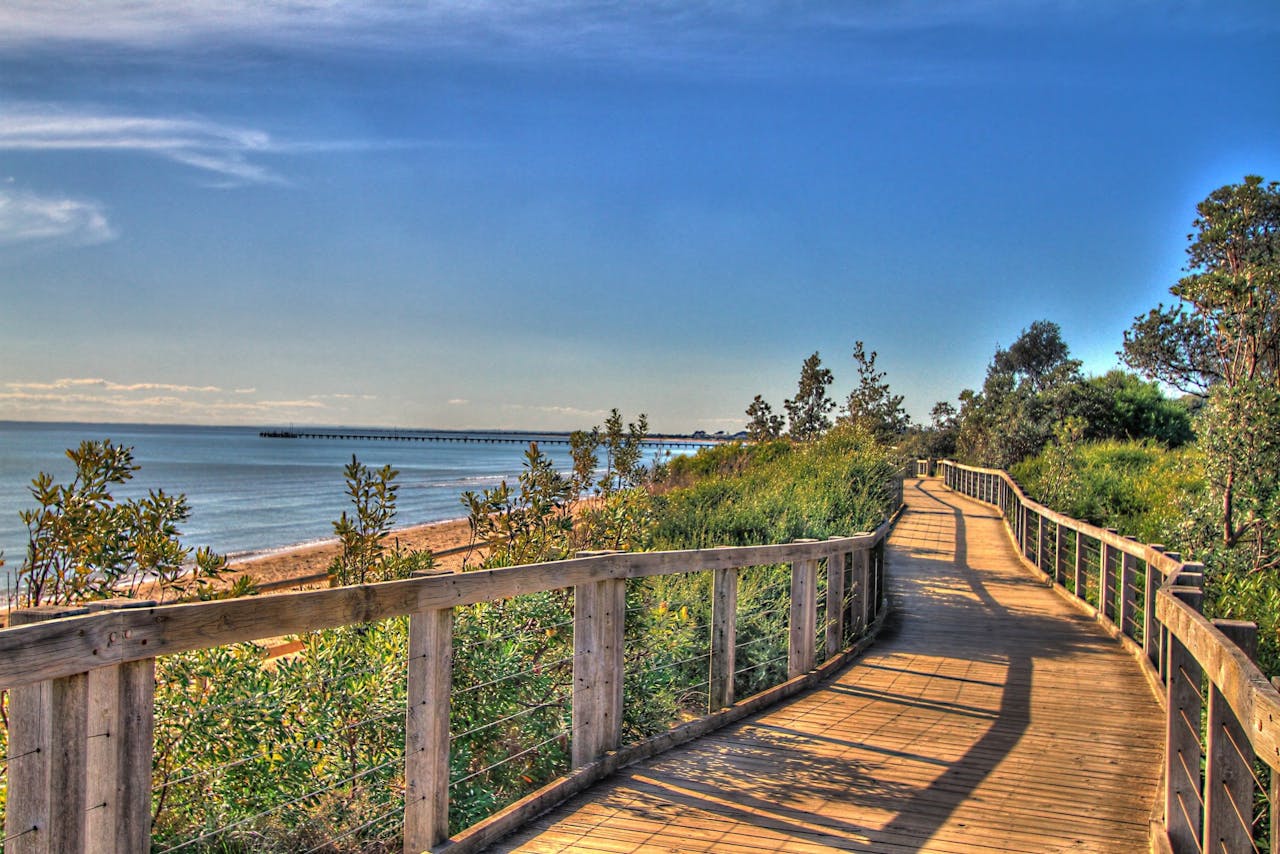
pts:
[250, 494]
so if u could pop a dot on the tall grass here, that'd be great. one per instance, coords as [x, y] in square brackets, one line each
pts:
[776, 492]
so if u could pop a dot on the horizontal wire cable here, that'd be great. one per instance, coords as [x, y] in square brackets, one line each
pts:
[511, 717]
[221, 830]
[353, 831]
[510, 676]
[510, 758]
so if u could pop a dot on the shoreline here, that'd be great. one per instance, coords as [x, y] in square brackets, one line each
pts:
[299, 562]
[293, 568]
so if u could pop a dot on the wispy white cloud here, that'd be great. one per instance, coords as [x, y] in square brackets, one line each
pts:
[93, 398]
[222, 150]
[228, 152]
[343, 396]
[36, 218]
[106, 385]
[552, 409]
[658, 27]
[458, 401]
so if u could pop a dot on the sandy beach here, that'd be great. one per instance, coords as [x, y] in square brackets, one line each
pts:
[300, 567]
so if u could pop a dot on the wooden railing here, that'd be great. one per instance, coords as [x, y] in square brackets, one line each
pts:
[81, 681]
[1222, 745]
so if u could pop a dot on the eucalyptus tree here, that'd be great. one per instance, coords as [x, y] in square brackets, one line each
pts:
[1221, 339]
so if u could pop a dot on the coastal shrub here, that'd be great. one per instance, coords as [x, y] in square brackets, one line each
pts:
[305, 749]
[83, 544]
[283, 754]
[777, 492]
[363, 556]
[1145, 490]
[1140, 488]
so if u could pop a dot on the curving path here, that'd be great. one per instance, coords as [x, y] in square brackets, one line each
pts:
[990, 716]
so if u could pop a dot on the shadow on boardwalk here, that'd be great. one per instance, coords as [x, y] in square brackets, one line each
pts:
[990, 716]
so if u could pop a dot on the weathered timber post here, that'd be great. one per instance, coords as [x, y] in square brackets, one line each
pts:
[1164, 632]
[1183, 799]
[1059, 574]
[861, 604]
[835, 602]
[121, 738]
[1228, 775]
[724, 628]
[1128, 594]
[1274, 794]
[804, 614]
[873, 585]
[1106, 579]
[1081, 570]
[426, 748]
[1041, 536]
[1150, 632]
[48, 725]
[599, 611]
[1023, 528]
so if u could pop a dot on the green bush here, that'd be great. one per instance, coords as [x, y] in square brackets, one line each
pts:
[1137, 487]
[306, 750]
[776, 492]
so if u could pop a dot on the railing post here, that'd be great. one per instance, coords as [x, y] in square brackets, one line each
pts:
[1029, 538]
[724, 628]
[1059, 575]
[1040, 541]
[877, 579]
[835, 603]
[1106, 579]
[48, 726]
[119, 754]
[1183, 799]
[804, 607]
[862, 575]
[1274, 794]
[1150, 632]
[1164, 632]
[1228, 783]
[599, 610]
[426, 748]
[1128, 594]
[1081, 570]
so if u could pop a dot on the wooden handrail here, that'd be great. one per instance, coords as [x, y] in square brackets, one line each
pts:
[60, 660]
[1238, 709]
[50, 650]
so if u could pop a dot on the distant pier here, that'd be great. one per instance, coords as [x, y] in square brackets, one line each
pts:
[477, 438]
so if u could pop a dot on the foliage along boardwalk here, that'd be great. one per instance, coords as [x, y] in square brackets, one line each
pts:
[991, 716]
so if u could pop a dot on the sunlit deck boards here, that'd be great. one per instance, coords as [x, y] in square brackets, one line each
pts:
[991, 716]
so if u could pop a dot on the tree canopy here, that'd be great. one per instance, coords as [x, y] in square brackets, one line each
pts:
[872, 404]
[1222, 340]
[808, 410]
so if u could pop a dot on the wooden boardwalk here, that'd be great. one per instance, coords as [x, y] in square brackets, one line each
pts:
[990, 716]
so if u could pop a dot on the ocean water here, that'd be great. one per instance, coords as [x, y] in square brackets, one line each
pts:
[250, 494]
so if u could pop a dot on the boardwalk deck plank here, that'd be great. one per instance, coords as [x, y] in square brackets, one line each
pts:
[991, 716]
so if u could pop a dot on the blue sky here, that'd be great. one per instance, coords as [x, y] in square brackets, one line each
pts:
[502, 214]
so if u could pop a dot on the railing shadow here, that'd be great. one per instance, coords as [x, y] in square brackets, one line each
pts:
[784, 782]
